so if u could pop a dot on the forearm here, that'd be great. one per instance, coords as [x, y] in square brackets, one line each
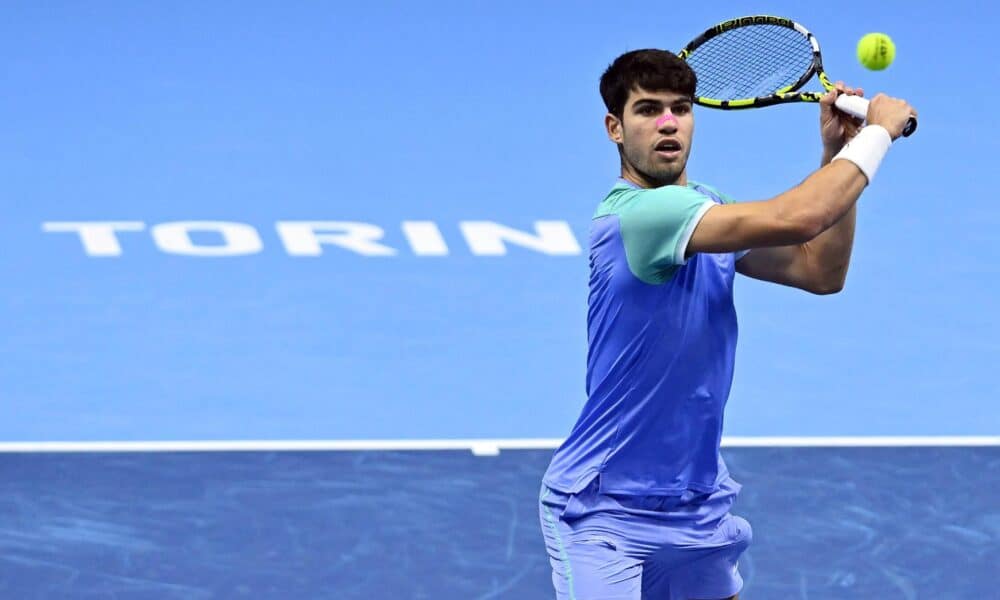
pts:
[830, 251]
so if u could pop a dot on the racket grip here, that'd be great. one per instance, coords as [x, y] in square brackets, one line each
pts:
[858, 107]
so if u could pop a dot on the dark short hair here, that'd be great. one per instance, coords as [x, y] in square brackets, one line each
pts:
[650, 69]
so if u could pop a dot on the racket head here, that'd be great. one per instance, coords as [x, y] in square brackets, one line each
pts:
[755, 61]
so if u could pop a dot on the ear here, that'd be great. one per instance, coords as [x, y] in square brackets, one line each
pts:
[614, 126]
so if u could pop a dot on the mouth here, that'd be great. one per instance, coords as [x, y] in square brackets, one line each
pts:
[669, 149]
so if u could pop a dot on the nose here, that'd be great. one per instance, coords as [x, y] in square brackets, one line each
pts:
[667, 119]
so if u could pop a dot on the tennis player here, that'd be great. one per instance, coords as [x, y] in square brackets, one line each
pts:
[636, 502]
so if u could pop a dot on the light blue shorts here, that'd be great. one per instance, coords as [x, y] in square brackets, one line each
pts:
[612, 547]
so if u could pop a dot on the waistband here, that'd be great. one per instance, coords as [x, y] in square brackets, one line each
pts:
[690, 508]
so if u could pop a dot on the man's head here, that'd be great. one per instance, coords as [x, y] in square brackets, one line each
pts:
[648, 95]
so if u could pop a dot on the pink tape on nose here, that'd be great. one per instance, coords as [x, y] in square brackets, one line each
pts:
[664, 119]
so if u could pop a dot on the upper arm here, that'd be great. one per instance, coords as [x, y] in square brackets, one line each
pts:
[746, 225]
[777, 249]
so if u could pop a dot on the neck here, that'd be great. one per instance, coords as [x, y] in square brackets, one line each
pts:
[632, 175]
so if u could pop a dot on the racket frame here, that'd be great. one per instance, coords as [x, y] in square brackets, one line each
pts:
[852, 105]
[787, 94]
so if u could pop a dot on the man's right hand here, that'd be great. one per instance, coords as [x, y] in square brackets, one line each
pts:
[891, 113]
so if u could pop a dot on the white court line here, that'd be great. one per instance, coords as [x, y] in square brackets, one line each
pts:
[479, 447]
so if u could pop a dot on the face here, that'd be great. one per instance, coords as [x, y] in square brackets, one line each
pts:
[654, 135]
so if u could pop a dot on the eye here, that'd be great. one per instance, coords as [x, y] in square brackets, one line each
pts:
[647, 109]
[682, 109]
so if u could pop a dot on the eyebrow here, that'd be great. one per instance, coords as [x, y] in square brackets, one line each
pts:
[656, 102]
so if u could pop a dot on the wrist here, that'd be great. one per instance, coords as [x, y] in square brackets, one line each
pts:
[867, 149]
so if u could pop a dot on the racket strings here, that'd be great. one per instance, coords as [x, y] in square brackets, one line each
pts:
[748, 62]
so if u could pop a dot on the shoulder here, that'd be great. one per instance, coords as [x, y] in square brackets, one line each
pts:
[712, 192]
[625, 198]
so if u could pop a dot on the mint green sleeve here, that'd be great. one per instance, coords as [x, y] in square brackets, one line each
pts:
[656, 227]
[728, 200]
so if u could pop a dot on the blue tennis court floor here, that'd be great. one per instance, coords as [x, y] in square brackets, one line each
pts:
[844, 522]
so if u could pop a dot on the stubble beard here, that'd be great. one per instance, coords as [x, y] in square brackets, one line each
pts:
[645, 164]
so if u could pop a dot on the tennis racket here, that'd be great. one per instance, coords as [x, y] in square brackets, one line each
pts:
[762, 60]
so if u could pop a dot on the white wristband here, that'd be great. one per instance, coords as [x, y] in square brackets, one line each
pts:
[867, 149]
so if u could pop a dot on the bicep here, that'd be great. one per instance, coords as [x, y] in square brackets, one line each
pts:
[743, 226]
[777, 250]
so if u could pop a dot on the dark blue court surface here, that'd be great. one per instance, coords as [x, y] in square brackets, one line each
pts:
[828, 523]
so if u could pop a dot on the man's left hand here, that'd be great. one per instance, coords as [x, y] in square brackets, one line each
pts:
[836, 128]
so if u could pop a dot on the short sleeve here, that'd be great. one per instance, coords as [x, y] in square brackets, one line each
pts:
[656, 227]
[726, 199]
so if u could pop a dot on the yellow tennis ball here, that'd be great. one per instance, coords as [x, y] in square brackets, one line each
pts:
[876, 51]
